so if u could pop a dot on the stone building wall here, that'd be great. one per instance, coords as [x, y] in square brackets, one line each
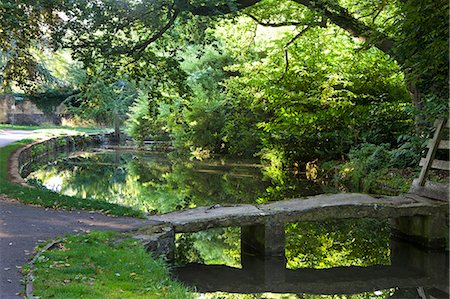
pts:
[26, 112]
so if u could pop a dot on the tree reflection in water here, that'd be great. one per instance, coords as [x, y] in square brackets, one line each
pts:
[158, 183]
[161, 182]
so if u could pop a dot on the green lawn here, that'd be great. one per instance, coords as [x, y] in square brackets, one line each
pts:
[103, 265]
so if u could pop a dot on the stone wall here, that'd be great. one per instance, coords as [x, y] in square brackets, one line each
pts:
[25, 159]
[26, 112]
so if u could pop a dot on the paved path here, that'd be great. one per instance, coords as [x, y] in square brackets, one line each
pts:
[9, 136]
[22, 227]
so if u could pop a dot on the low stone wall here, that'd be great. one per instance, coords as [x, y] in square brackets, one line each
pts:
[21, 161]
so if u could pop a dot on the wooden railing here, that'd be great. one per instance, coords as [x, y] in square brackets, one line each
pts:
[421, 186]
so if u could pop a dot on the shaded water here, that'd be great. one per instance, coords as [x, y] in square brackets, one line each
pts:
[161, 182]
[333, 259]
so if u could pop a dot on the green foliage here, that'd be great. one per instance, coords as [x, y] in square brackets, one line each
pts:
[370, 156]
[102, 97]
[205, 113]
[343, 243]
[48, 100]
[140, 124]
[103, 265]
[423, 51]
[376, 169]
[294, 105]
[245, 104]
[22, 23]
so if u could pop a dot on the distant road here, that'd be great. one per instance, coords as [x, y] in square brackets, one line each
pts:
[9, 136]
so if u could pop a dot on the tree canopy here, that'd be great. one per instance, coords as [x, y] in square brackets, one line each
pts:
[244, 76]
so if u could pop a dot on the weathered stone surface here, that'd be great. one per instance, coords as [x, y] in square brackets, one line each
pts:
[316, 208]
[431, 190]
[344, 280]
[428, 231]
[202, 218]
[159, 243]
[263, 240]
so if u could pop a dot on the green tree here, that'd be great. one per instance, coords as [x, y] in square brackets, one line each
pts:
[103, 97]
[25, 26]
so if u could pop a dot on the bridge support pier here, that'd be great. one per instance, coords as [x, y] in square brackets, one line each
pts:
[264, 239]
[427, 231]
[262, 251]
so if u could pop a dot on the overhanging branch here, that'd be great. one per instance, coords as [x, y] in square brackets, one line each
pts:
[342, 18]
[286, 53]
[219, 9]
[329, 9]
[281, 24]
[141, 47]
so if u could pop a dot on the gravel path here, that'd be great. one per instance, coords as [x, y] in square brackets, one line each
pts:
[22, 227]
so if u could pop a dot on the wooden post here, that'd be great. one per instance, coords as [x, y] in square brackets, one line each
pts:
[431, 152]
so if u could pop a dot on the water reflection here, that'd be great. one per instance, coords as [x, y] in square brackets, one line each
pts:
[160, 182]
[332, 259]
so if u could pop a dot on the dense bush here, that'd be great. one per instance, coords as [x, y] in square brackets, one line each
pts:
[377, 169]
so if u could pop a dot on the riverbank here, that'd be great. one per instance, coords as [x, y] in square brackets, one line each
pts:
[107, 265]
[25, 226]
[44, 197]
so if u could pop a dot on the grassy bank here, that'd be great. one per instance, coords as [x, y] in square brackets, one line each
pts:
[103, 265]
[46, 198]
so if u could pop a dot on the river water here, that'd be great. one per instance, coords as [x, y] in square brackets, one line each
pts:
[333, 259]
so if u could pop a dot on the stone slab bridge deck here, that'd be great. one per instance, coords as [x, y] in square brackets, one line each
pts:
[417, 218]
[316, 208]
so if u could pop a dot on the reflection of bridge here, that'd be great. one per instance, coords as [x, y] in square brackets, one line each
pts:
[410, 268]
[413, 273]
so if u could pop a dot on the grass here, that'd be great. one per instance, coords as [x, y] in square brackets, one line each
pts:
[47, 198]
[103, 265]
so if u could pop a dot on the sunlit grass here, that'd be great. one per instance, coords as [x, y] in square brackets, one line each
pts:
[103, 265]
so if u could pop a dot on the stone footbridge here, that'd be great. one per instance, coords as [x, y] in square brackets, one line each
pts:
[262, 226]
[263, 262]
[421, 215]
